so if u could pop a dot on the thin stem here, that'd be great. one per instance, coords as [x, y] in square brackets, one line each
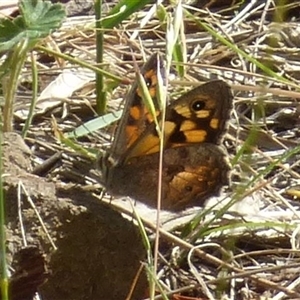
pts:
[10, 83]
[101, 95]
[3, 266]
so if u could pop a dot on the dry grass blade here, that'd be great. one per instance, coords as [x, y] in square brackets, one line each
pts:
[242, 250]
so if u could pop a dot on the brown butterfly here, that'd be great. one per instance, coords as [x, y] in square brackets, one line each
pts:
[194, 164]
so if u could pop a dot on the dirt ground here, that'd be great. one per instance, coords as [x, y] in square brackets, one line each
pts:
[91, 251]
[98, 251]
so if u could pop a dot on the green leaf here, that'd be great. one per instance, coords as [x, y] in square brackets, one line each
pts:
[41, 17]
[37, 20]
[10, 33]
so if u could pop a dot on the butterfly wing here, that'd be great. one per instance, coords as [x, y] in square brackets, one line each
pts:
[135, 118]
[198, 116]
[194, 164]
[189, 176]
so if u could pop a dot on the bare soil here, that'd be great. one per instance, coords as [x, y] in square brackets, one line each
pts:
[98, 252]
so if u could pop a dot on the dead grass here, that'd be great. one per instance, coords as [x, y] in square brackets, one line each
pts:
[249, 251]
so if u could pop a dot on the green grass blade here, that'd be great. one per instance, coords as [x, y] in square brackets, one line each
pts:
[94, 125]
[100, 90]
[147, 99]
[122, 11]
[3, 267]
[34, 96]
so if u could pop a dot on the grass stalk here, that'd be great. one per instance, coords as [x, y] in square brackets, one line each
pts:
[3, 266]
[100, 93]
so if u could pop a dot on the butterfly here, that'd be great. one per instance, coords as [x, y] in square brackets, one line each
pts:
[194, 164]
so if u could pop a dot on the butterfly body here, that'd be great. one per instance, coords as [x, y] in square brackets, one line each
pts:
[194, 164]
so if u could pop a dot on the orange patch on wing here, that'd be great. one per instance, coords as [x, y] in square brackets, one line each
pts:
[141, 118]
[149, 115]
[214, 123]
[183, 110]
[169, 129]
[146, 145]
[187, 125]
[135, 112]
[151, 81]
[195, 136]
[152, 91]
[141, 113]
[132, 134]
[151, 74]
[202, 114]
